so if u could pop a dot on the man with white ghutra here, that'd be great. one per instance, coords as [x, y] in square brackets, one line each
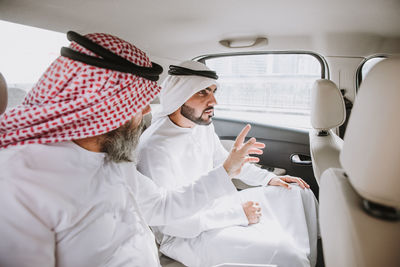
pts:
[275, 223]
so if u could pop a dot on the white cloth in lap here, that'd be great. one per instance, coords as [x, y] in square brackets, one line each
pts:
[277, 239]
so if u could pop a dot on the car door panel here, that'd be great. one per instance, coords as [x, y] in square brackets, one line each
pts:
[282, 146]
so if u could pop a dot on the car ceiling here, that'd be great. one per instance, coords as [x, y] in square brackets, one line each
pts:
[181, 29]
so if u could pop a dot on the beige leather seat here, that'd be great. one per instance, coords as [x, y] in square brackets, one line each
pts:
[3, 94]
[360, 204]
[327, 113]
[168, 262]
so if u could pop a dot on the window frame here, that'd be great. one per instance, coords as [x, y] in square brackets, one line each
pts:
[324, 65]
[325, 73]
[359, 77]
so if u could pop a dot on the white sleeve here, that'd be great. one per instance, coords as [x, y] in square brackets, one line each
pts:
[157, 165]
[253, 175]
[25, 239]
[250, 174]
[219, 215]
[160, 206]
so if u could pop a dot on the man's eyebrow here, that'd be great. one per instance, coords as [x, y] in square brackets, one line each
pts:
[210, 89]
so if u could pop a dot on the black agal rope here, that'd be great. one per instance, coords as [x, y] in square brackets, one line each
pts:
[108, 59]
[177, 70]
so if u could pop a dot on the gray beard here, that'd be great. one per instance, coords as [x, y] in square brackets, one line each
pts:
[120, 144]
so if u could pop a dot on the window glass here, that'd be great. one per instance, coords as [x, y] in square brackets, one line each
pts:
[270, 89]
[25, 53]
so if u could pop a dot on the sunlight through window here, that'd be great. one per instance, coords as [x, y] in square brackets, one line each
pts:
[25, 53]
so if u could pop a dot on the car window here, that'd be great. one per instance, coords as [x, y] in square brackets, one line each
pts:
[272, 89]
[25, 55]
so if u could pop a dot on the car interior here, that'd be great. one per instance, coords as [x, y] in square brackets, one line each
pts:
[3, 94]
[327, 113]
[319, 81]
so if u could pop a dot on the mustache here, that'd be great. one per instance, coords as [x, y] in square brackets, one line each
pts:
[209, 108]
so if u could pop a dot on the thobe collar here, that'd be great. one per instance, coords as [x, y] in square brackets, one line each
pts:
[90, 157]
[182, 129]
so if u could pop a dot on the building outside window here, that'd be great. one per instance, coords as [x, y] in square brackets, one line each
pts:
[272, 89]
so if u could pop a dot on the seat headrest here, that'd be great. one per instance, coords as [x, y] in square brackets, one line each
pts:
[327, 105]
[3, 94]
[371, 149]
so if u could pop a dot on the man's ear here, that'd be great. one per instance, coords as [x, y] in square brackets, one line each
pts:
[92, 143]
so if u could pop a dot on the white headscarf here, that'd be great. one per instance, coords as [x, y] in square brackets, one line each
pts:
[177, 89]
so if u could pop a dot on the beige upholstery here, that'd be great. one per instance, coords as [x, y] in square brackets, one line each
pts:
[350, 236]
[3, 94]
[327, 105]
[324, 151]
[168, 262]
[327, 112]
[372, 145]
[371, 174]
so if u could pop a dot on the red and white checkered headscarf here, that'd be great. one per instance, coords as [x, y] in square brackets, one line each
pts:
[74, 100]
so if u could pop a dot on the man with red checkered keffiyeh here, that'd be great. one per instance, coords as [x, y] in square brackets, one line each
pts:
[69, 191]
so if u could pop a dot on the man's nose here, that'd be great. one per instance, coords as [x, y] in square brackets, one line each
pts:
[212, 101]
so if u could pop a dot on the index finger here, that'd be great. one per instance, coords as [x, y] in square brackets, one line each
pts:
[240, 138]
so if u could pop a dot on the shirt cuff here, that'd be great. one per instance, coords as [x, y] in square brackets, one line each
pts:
[219, 183]
[242, 218]
[268, 178]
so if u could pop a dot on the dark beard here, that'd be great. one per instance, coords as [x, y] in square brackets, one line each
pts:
[120, 143]
[188, 113]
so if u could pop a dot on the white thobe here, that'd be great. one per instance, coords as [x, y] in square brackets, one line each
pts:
[286, 235]
[61, 205]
